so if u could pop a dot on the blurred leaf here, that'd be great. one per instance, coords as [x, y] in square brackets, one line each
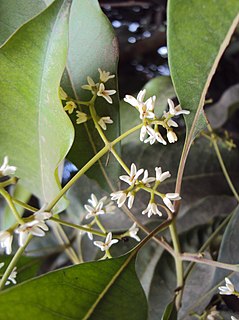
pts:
[228, 252]
[163, 285]
[198, 283]
[204, 211]
[170, 313]
[162, 88]
[195, 48]
[92, 45]
[146, 262]
[14, 13]
[19, 193]
[217, 113]
[32, 63]
[96, 290]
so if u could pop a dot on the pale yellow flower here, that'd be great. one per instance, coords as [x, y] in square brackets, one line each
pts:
[81, 117]
[105, 76]
[70, 106]
[102, 92]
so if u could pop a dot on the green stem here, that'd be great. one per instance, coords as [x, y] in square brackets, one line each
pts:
[178, 262]
[13, 262]
[6, 183]
[99, 224]
[24, 205]
[87, 166]
[75, 226]
[225, 172]
[9, 200]
[97, 126]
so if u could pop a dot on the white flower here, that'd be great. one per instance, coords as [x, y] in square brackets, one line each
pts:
[103, 121]
[12, 276]
[146, 179]
[6, 241]
[161, 176]
[152, 209]
[233, 318]
[102, 92]
[154, 136]
[143, 132]
[96, 207]
[5, 169]
[168, 197]
[35, 227]
[146, 109]
[172, 123]
[176, 111]
[133, 176]
[92, 86]
[172, 137]
[105, 76]
[136, 102]
[104, 246]
[130, 196]
[228, 289]
[133, 232]
[120, 196]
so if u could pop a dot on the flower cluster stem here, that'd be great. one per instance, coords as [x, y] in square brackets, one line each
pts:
[89, 164]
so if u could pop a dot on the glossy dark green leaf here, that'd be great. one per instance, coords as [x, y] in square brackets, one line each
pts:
[32, 63]
[96, 290]
[198, 33]
[92, 45]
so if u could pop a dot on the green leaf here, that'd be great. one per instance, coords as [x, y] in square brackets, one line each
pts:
[162, 88]
[198, 34]
[170, 313]
[32, 63]
[14, 13]
[96, 290]
[92, 45]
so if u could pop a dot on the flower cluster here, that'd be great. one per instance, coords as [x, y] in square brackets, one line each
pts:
[97, 89]
[151, 122]
[135, 184]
